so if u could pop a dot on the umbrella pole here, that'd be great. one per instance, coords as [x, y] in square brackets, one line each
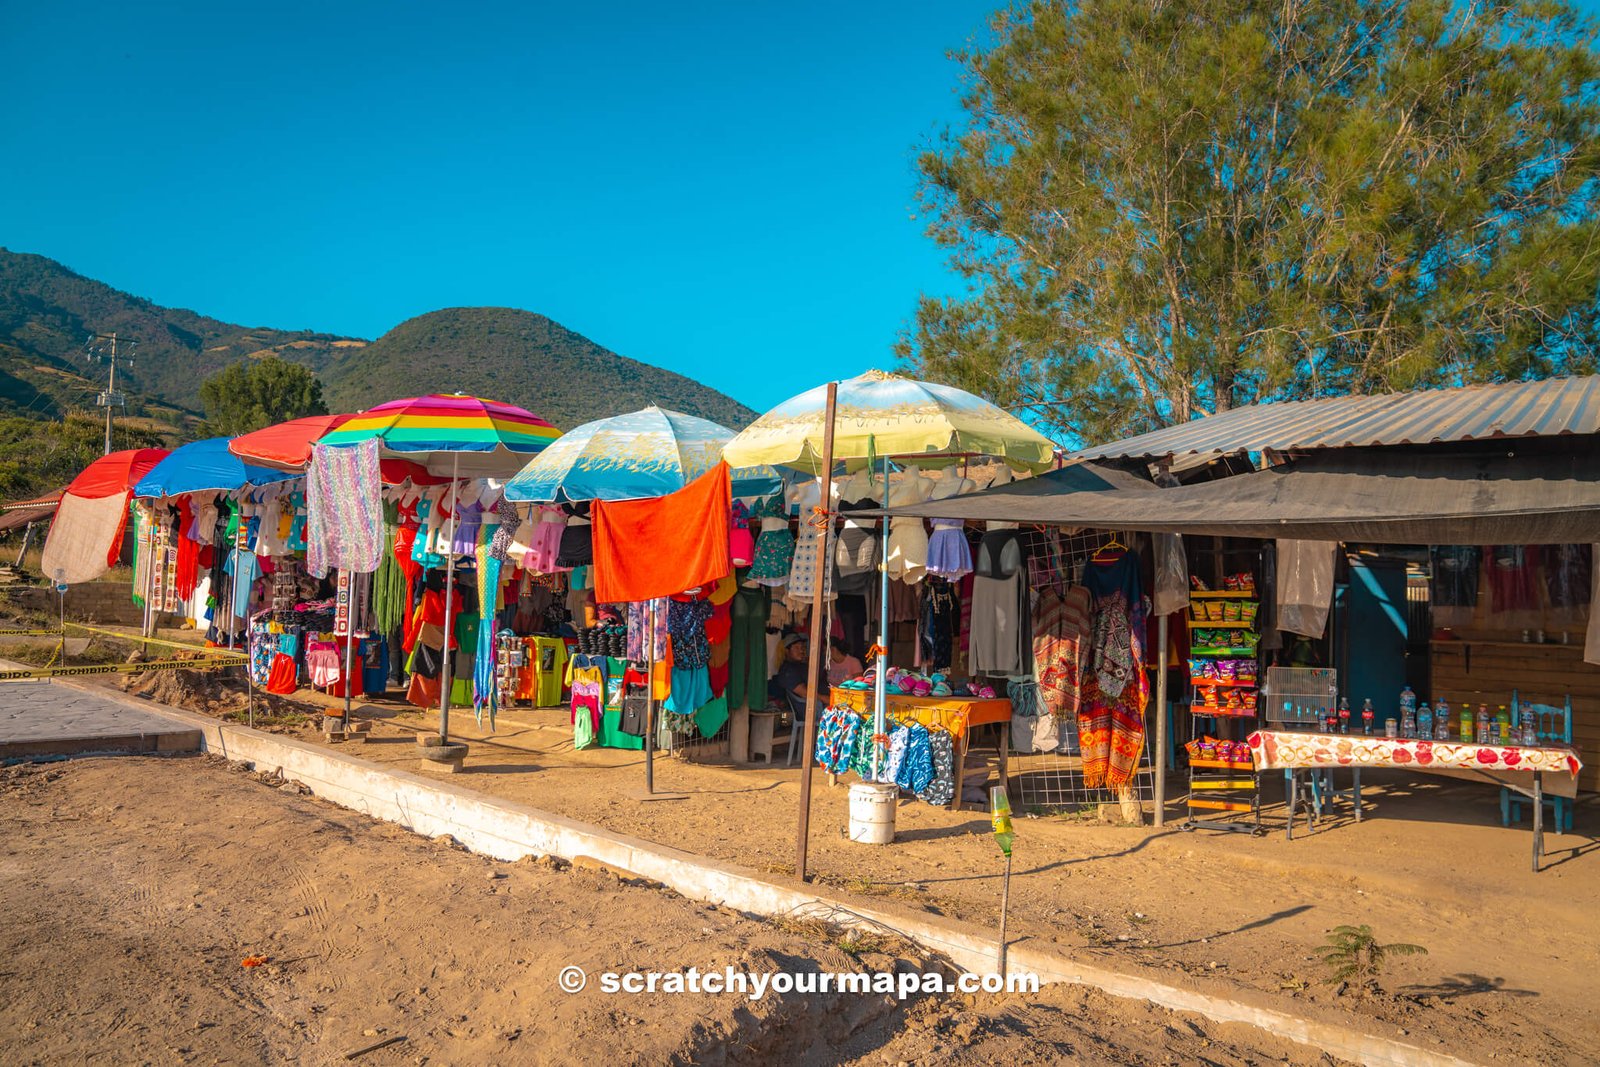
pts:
[880, 683]
[649, 703]
[809, 731]
[349, 640]
[449, 589]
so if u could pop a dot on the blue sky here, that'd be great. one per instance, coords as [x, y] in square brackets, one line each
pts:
[723, 189]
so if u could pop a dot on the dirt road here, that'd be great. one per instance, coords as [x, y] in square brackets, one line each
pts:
[134, 888]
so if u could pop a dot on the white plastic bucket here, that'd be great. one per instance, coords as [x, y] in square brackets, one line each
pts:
[872, 806]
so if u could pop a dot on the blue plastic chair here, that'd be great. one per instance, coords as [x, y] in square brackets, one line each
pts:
[1552, 725]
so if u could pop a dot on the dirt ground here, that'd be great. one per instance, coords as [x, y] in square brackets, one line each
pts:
[1510, 955]
[135, 887]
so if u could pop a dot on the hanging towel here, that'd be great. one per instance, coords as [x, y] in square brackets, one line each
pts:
[344, 520]
[652, 548]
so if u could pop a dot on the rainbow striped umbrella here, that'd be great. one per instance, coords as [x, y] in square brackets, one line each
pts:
[455, 435]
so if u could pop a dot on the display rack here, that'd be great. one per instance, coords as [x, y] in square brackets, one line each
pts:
[1223, 686]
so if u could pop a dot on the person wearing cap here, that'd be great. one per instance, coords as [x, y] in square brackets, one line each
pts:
[789, 686]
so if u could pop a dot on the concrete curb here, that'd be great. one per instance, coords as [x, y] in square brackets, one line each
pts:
[507, 830]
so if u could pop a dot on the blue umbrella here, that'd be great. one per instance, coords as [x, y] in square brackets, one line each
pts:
[204, 467]
[642, 454]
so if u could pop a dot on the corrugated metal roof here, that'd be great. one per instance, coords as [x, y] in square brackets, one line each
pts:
[1548, 408]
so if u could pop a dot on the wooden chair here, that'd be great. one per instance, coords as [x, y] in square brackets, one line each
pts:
[1553, 726]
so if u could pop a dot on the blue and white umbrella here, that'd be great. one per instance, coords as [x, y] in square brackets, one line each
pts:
[642, 454]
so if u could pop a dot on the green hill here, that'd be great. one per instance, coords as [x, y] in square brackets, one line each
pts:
[520, 357]
[47, 312]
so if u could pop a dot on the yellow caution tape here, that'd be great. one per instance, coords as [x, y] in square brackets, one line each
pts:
[188, 646]
[208, 664]
[31, 633]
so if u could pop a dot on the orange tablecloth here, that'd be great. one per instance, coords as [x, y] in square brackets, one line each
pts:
[953, 714]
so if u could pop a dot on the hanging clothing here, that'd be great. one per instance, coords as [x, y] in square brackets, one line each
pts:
[908, 537]
[747, 662]
[664, 545]
[577, 538]
[1061, 627]
[686, 624]
[941, 787]
[1115, 691]
[1001, 641]
[949, 555]
[803, 577]
[774, 546]
[941, 616]
[1511, 577]
[344, 521]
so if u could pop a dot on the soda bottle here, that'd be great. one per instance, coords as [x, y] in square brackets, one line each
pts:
[1367, 715]
[1344, 715]
[1502, 720]
[1466, 723]
[1000, 817]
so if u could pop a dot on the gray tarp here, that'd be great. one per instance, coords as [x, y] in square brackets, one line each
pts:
[1537, 495]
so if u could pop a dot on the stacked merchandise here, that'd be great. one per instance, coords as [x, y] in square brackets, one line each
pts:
[1223, 674]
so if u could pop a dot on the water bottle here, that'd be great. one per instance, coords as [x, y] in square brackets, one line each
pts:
[1425, 722]
[1408, 712]
[1441, 720]
[1530, 735]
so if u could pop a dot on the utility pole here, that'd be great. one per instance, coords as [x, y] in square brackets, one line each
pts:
[104, 346]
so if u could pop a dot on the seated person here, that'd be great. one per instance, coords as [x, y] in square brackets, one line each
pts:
[788, 686]
[842, 666]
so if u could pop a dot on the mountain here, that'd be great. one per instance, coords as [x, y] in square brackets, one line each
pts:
[47, 312]
[519, 357]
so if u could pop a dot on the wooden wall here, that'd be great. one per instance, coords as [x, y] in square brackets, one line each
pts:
[1478, 656]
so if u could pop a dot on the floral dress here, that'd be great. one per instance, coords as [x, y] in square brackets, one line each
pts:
[775, 546]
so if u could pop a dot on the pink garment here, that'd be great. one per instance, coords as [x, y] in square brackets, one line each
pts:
[541, 557]
[322, 664]
[586, 697]
[741, 546]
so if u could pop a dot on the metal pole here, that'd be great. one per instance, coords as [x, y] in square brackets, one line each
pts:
[349, 640]
[880, 699]
[449, 588]
[1160, 753]
[111, 392]
[1005, 904]
[649, 703]
[809, 733]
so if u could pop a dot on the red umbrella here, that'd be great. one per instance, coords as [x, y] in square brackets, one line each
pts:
[286, 446]
[117, 472]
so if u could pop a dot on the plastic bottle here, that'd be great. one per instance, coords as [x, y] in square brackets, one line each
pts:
[1466, 723]
[1441, 720]
[1408, 712]
[1344, 715]
[1482, 724]
[1425, 722]
[1502, 720]
[1367, 715]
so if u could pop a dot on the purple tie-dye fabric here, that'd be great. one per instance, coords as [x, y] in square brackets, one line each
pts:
[344, 509]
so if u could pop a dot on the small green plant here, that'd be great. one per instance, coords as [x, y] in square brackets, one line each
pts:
[1355, 956]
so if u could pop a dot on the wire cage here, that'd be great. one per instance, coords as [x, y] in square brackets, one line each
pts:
[1299, 696]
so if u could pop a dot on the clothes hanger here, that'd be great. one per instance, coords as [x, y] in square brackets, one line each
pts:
[1113, 545]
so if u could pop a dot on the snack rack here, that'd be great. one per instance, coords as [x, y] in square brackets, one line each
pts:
[1223, 685]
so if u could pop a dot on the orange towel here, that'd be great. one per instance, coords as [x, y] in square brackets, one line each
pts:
[649, 548]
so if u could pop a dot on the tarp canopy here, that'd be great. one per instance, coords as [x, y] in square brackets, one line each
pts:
[1536, 493]
[203, 466]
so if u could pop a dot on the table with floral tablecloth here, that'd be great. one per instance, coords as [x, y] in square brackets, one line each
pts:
[1507, 765]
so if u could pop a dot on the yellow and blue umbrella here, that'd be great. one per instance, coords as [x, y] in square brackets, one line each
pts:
[884, 415]
[642, 454]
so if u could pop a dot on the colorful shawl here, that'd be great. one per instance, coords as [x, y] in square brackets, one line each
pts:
[344, 509]
[1111, 715]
